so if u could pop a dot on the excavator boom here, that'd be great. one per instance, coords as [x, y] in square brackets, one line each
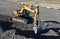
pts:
[30, 8]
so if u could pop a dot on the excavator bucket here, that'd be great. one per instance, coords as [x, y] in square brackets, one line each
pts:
[37, 29]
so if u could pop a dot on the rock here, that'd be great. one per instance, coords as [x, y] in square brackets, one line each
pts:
[58, 30]
[50, 33]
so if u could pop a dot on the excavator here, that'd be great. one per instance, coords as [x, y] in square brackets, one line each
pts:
[23, 15]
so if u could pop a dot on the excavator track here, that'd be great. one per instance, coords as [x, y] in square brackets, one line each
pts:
[19, 19]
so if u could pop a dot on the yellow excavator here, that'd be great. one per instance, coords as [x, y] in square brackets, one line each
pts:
[22, 15]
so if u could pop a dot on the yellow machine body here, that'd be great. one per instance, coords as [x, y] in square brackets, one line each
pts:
[29, 8]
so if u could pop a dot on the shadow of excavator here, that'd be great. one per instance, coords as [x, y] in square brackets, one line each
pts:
[5, 25]
[52, 22]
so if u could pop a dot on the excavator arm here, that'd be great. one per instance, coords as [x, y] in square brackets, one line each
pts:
[33, 10]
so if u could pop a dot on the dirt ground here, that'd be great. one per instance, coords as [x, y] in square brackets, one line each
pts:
[47, 4]
[7, 32]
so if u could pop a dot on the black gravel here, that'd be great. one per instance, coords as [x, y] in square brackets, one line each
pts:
[14, 30]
